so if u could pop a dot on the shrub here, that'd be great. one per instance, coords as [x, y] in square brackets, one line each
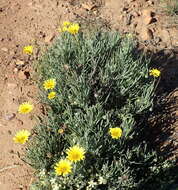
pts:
[101, 83]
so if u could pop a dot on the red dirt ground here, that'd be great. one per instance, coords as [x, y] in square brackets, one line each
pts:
[35, 22]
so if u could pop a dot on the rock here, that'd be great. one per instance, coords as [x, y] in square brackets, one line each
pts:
[157, 39]
[130, 1]
[146, 34]
[136, 14]
[4, 49]
[147, 16]
[147, 12]
[20, 63]
[15, 70]
[49, 38]
[9, 117]
[88, 6]
[148, 20]
[22, 75]
[150, 2]
[128, 19]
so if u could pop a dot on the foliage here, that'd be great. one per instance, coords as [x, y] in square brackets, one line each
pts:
[101, 82]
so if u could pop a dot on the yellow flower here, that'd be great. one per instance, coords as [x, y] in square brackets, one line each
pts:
[63, 29]
[66, 23]
[75, 153]
[25, 108]
[21, 136]
[63, 167]
[28, 49]
[116, 132]
[61, 131]
[129, 35]
[49, 84]
[51, 95]
[155, 72]
[65, 26]
[73, 28]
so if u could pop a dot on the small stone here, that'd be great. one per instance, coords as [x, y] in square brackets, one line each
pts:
[15, 70]
[9, 117]
[19, 62]
[146, 34]
[49, 38]
[150, 2]
[23, 75]
[148, 20]
[4, 49]
[88, 6]
[128, 19]
[136, 14]
[147, 12]
[157, 39]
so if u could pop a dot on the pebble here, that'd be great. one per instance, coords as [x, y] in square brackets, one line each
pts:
[4, 49]
[148, 20]
[88, 6]
[49, 38]
[9, 117]
[15, 70]
[22, 75]
[19, 62]
[147, 12]
[146, 34]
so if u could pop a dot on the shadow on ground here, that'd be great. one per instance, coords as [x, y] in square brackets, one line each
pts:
[160, 126]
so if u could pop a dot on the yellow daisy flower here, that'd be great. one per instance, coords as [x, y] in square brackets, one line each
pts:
[73, 28]
[25, 108]
[65, 26]
[49, 84]
[61, 131]
[75, 153]
[28, 50]
[63, 167]
[66, 23]
[51, 95]
[21, 136]
[116, 132]
[155, 72]
[63, 29]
